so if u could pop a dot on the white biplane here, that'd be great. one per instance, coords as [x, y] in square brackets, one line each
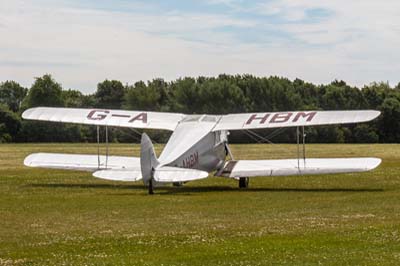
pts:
[197, 146]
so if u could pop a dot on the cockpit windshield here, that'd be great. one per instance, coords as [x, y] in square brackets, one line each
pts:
[192, 118]
[209, 118]
[200, 118]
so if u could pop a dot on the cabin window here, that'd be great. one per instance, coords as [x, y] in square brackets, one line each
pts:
[217, 137]
[209, 118]
[192, 118]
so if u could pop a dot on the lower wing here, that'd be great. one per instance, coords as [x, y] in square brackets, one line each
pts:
[252, 168]
[91, 163]
[116, 168]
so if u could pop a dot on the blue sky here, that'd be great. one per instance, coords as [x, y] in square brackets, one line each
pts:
[83, 42]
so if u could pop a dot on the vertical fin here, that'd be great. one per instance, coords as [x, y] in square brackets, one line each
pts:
[148, 159]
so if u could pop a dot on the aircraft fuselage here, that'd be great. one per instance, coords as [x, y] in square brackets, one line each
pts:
[193, 145]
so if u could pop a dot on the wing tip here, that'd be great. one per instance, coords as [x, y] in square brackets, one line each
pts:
[28, 112]
[374, 114]
[29, 160]
[373, 163]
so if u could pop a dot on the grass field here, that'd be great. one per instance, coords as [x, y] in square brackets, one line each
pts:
[52, 217]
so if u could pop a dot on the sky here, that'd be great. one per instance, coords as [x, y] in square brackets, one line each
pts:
[82, 43]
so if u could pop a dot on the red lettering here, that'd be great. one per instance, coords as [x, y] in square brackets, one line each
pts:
[262, 119]
[140, 117]
[281, 117]
[191, 160]
[310, 116]
[98, 114]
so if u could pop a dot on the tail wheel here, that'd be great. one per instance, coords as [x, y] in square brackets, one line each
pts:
[243, 182]
[151, 187]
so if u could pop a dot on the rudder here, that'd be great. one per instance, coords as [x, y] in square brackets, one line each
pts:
[148, 159]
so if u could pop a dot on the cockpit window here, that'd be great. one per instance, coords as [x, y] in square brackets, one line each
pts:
[202, 118]
[209, 118]
[192, 118]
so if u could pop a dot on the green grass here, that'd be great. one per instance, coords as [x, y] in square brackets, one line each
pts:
[52, 217]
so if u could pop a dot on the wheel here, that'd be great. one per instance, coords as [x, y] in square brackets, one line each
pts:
[243, 182]
[177, 184]
[151, 187]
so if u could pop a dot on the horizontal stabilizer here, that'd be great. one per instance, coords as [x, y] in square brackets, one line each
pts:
[80, 162]
[119, 175]
[252, 168]
[174, 174]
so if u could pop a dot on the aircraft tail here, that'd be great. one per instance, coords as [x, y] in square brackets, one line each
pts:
[148, 161]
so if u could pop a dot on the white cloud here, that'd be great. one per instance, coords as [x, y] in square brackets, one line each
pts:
[81, 47]
[362, 36]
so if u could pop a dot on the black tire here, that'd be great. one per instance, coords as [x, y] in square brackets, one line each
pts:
[243, 182]
[177, 184]
[151, 187]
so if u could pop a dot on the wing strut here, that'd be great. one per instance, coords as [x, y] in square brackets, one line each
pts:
[298, 146]
[228, 149]
[107, 145]
[304, 146]
[98, 147]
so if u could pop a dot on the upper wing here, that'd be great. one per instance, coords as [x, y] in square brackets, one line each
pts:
[105, 117]
[293, 119]
[251, 168]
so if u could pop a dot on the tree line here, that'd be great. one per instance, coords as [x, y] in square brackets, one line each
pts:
[213, 95]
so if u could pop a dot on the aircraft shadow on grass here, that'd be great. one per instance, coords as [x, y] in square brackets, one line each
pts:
[202, 189]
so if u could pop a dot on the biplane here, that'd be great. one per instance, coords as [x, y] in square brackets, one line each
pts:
[197, 146]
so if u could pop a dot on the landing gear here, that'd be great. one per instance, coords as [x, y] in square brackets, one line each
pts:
[177, 184]
[243, 182]
[151, 187]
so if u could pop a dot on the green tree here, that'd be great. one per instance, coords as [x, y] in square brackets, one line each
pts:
[185, 95]
[45, 91]
[218, 95]
[110, 94]
[38, 131]
[325, 134]
[339, 96]
[256, 92]
[73, 98]
[375, 94]
[363, 133]
[143, 97]
[221, 96]
[9, 124]
[389, 122]
[309, 94]
[12, 94]
[88, 101]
